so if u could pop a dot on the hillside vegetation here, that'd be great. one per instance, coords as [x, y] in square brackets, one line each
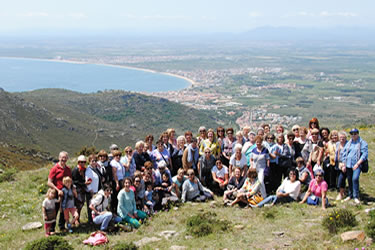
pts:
[54, 119]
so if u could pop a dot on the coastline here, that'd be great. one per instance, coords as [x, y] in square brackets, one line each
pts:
[190, 81]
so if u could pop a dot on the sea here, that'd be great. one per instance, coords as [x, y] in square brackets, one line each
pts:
[20, 74]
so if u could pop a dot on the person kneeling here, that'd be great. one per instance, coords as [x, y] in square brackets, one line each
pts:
[288, 191]
[98, 205]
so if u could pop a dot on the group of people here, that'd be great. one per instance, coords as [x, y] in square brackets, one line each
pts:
[253, 168]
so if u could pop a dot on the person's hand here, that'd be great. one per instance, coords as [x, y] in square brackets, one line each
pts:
[60, 192]
[135, 215]
[103, 212]
[45, 218]
[301, 202]
[117, 187]
[343, 169]
[355, 166]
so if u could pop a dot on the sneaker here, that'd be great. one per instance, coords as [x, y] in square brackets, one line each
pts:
[70, 230]
[356, 201]
[253, 206]
[339, 197]
[347, 199]
[268, 205]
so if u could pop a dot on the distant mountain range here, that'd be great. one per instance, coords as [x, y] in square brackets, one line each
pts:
[52, 120]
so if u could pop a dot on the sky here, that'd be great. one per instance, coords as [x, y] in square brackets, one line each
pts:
[196, 16]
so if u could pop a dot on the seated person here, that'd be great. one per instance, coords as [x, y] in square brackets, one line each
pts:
[235, 184]
[317, 192]
[220, 178]
[178, 180]
[165, 190]
[288, 191]
[149, 201]
[250, 191]
[193, 190]
[98, 205]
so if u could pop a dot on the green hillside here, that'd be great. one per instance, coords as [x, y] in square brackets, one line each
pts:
[55, 119]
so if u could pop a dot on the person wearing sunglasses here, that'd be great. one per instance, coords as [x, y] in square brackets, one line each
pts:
[193, 190]
[317, 192]
[354, 158]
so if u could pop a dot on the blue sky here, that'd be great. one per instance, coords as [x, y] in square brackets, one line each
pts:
[181, 16]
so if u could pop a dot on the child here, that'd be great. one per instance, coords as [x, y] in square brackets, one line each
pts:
[148, 196]
[67, 204]
[165, 191]
[49, 211]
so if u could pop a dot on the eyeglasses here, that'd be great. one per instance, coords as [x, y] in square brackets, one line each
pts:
[102, 156]
[319, 175]
[81, 162]
[296, 129]
[218, 163]
[314, 134]
[229, 133]
[137, 181]
[269, 138]
[299, 162]
[292, 173]
[220, 131]
[93, 160]
[191, 174]
[129, 151]
[206, 153]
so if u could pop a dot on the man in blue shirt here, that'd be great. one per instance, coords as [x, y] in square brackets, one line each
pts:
[355, 153]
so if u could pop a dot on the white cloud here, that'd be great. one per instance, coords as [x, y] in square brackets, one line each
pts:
[304, 13]
[155, 17]
[255, 14]
[337, 14]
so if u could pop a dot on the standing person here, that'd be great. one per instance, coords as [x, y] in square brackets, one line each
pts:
[260, 160]
[128, 162]
[126, 205]
[149, 139]
[55, 181]
[292, 148]
[220, 133]
[354, 158]
[112, 148]
[118, 171]
[177, 155]
[284, 159]
[164, 137]
[313, 124]
[329, 165]
[211, 143]
[238, 159]
[245, 133]
[93, 174]
[161, 154]
[190, 157]
[202, 135]
[227, 146]
[81, 184]
[140, 157]
[98, 205]
[49, 210]
[104, 167]
[314, 147]
[188, 137]
[340, 164]
[295, 130]
[301, 141]
[172, 137]
[67, 203]
[249, 145]
[205, 165]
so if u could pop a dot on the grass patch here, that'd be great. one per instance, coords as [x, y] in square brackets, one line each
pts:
[206, 223]
[52, 242]
[370, 227]
[125, 246]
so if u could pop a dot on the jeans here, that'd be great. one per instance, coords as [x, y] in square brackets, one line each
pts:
[353, 181]
[342, 179]
[104, 220]
[61, 219]
[134, 222]
[274, 199]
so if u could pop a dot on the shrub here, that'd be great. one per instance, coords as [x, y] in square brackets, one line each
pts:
[337, 219]
[370, 227]
[206, 223]
[87, 151]
[125, 246]
[8, 175]
[49, 243]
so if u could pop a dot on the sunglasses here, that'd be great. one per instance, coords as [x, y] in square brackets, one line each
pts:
[137, 181]
[81, 162]
[319, 175]
[296, 129]
[129, 151]
[206, 153]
